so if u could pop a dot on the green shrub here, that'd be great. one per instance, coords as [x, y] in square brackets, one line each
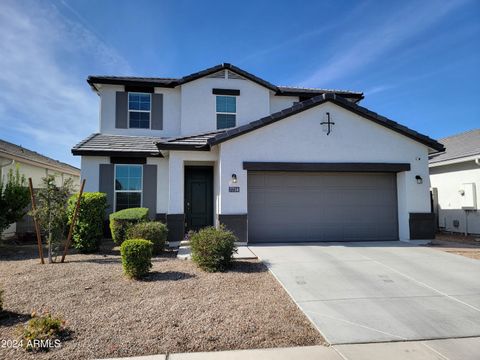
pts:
[121, 220]
[45, 329]
[88, 231]
[136, 257]
[154, 231]
[212, 249]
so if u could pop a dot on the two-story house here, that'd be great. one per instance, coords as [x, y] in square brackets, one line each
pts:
[272, 163]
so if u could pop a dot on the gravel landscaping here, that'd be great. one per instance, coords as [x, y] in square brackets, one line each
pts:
[178, 308]
[459, 244]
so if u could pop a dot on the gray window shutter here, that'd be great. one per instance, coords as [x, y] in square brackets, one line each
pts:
[121, 110]
[150, 189]
[106, 177]
[157, 111]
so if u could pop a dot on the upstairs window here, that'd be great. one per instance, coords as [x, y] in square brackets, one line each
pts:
[226, 111]
[139, 108]
[128, 186]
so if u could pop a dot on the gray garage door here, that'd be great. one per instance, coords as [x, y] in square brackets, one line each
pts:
[299, 207]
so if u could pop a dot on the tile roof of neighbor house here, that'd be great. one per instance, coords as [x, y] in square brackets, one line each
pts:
[117, 145]
[205, 141]
[8, 148]
[458, 146]
[173, 82]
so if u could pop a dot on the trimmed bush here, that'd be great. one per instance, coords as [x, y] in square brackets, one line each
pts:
[121, 220]
[136, 257]
[43, 332]
[154, 231]
[212, 248]
[88, 231]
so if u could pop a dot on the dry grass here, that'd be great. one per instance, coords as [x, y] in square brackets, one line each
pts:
[458, 244]
[178, 308]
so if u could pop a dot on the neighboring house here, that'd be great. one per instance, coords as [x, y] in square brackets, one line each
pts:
[32, 165]
[272, 163]
[455, 181]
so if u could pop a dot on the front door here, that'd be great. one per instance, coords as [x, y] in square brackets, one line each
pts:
[198, 197]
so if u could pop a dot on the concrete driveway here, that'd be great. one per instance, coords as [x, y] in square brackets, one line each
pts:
[379, 291]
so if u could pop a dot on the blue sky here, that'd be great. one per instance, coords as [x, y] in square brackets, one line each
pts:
[418, 62]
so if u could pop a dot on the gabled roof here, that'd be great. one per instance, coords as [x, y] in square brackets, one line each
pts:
[117, 145]
[173, 82]
[205, 142]
[458, 146]
[8, 149]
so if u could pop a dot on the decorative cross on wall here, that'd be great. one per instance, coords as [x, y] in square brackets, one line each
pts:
[327, 124]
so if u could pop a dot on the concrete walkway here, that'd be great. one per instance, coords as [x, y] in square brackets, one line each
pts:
[450, 349]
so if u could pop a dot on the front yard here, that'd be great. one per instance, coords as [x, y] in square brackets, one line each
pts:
[177, 308]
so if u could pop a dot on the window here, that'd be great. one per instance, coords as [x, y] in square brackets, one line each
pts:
[128, 186]
[226, 111]
[139, 110]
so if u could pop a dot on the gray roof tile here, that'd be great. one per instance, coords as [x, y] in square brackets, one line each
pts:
[458, 146]
[117, 144]
[21, 152]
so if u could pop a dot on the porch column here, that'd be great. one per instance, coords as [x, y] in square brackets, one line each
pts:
[175, 215]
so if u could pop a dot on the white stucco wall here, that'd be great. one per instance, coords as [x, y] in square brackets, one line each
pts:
[278, 103]
[171, 113]
[448, 180]
[90, 171]
[300, 139]
[198, 104]
[177, 160]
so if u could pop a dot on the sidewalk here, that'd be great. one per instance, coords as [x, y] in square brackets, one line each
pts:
[447, 349]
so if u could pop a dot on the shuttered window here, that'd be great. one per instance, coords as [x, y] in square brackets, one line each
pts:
[139, 109]
[226, 107]
[128, 186]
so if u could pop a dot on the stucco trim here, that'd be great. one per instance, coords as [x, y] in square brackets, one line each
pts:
[326, 167]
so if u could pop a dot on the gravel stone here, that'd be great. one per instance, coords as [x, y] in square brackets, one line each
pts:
[177, 308]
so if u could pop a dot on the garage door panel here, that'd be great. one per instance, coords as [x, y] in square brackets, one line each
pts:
[290, 207]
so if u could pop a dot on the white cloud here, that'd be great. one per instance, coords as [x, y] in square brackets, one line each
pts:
[374, 42]
[44, 98]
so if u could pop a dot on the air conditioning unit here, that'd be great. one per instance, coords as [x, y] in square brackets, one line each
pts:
[468, 196]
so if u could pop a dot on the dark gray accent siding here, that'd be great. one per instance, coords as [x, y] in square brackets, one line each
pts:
[150, 189]
[162, 217]
[157, 112]
[176, 227]
[106, 178]
[326, 167]
[121, 110]
[127, 160]
[422, 226]
[238, 224]
[231, 92]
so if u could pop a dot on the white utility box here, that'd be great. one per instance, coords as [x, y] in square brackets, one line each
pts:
[468, 196]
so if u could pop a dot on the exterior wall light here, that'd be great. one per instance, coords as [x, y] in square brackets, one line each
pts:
[234, 178]
[419, 179]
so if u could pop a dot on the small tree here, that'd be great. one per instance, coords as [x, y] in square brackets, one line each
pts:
[14, 199]
[51, 212]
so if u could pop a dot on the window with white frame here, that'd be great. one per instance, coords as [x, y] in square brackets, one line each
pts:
[139, 108]
[226, 111]
[128, 186]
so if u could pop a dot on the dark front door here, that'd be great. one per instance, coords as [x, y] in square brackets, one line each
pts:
[198, 196]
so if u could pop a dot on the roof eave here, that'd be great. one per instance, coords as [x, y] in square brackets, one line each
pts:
[80, 152]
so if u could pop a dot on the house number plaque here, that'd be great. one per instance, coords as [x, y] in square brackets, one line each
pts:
[234, 189]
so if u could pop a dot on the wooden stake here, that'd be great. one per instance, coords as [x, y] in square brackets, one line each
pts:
[72, 225]
[37, 227]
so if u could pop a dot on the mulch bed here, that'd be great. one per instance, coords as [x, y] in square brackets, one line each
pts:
[178, 308]
[459, 244]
